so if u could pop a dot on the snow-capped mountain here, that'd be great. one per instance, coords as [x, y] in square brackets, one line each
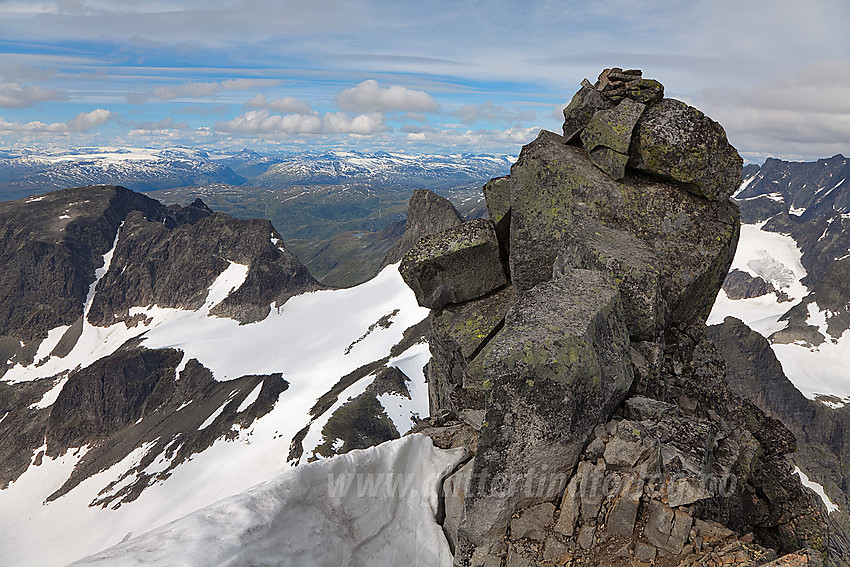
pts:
[138, 168]
[170, 357]
[789, 277]
[383, 168]
[26, 172]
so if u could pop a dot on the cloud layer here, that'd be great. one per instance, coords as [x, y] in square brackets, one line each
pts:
[386, 74]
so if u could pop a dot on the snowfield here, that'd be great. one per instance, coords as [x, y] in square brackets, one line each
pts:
[368, 507]
[814, 370]
[313, 341]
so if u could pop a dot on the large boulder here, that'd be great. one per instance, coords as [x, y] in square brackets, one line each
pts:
[584, 104]
[555, 371]
[455, 265]
[677, 141]
[427, 213]
[556, 188]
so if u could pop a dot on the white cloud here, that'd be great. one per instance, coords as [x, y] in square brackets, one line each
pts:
[369, 96]
[254, 122]
[13, 95]
[202, 90]
[83, 122]
[493, 113]
[800, 114]
[479, 139]
[285, 105]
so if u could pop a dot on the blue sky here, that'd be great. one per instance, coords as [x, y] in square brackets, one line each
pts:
[444, 77]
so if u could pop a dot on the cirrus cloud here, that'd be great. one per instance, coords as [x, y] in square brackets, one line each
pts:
[369, 96]
[209, 89]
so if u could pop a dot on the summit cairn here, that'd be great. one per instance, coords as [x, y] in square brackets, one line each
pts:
[624, 119]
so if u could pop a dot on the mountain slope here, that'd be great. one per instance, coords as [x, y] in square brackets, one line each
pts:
[798, 242]
[202, 357]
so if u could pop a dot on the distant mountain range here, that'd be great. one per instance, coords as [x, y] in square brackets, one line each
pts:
[25, 172]
[332, 208]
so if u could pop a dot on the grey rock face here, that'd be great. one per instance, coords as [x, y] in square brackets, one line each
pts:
[555, 189]
[458, 332]
[741, 285]
[455, 265]
[555, 371]
[631, 262]
[427, 213]
[581, 109]
[679, 142]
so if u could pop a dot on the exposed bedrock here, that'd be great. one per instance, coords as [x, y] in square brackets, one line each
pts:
[584, 359]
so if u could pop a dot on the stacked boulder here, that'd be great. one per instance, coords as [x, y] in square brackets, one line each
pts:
[567, 339]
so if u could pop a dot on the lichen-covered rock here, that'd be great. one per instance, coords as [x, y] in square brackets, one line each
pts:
[646, 91]
[608, 136]
[630, 262]
[497, 194]
[455, 265]
[611, 162]
[556, 370]
[613, 128]
[676, 141]
[457, 333]
[581, 108]
[427, 213]
[555, 186]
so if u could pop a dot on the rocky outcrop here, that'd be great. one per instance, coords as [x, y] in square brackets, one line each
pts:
[606, 434]
[51, 246]
[427, 213]
[175, 267]
[741, 285]
[821, 431]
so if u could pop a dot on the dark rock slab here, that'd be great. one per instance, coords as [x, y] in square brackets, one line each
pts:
[555, 371]
[455, 265]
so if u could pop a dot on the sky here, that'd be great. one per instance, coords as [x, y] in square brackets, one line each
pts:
[431, 76]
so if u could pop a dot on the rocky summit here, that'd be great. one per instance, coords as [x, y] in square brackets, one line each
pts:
[570, 355]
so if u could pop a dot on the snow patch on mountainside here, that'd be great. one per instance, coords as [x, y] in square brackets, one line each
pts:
[813, 369]
[817, 370]
[776, 259]
[830, 506]
[307, 340]
[372, 507]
